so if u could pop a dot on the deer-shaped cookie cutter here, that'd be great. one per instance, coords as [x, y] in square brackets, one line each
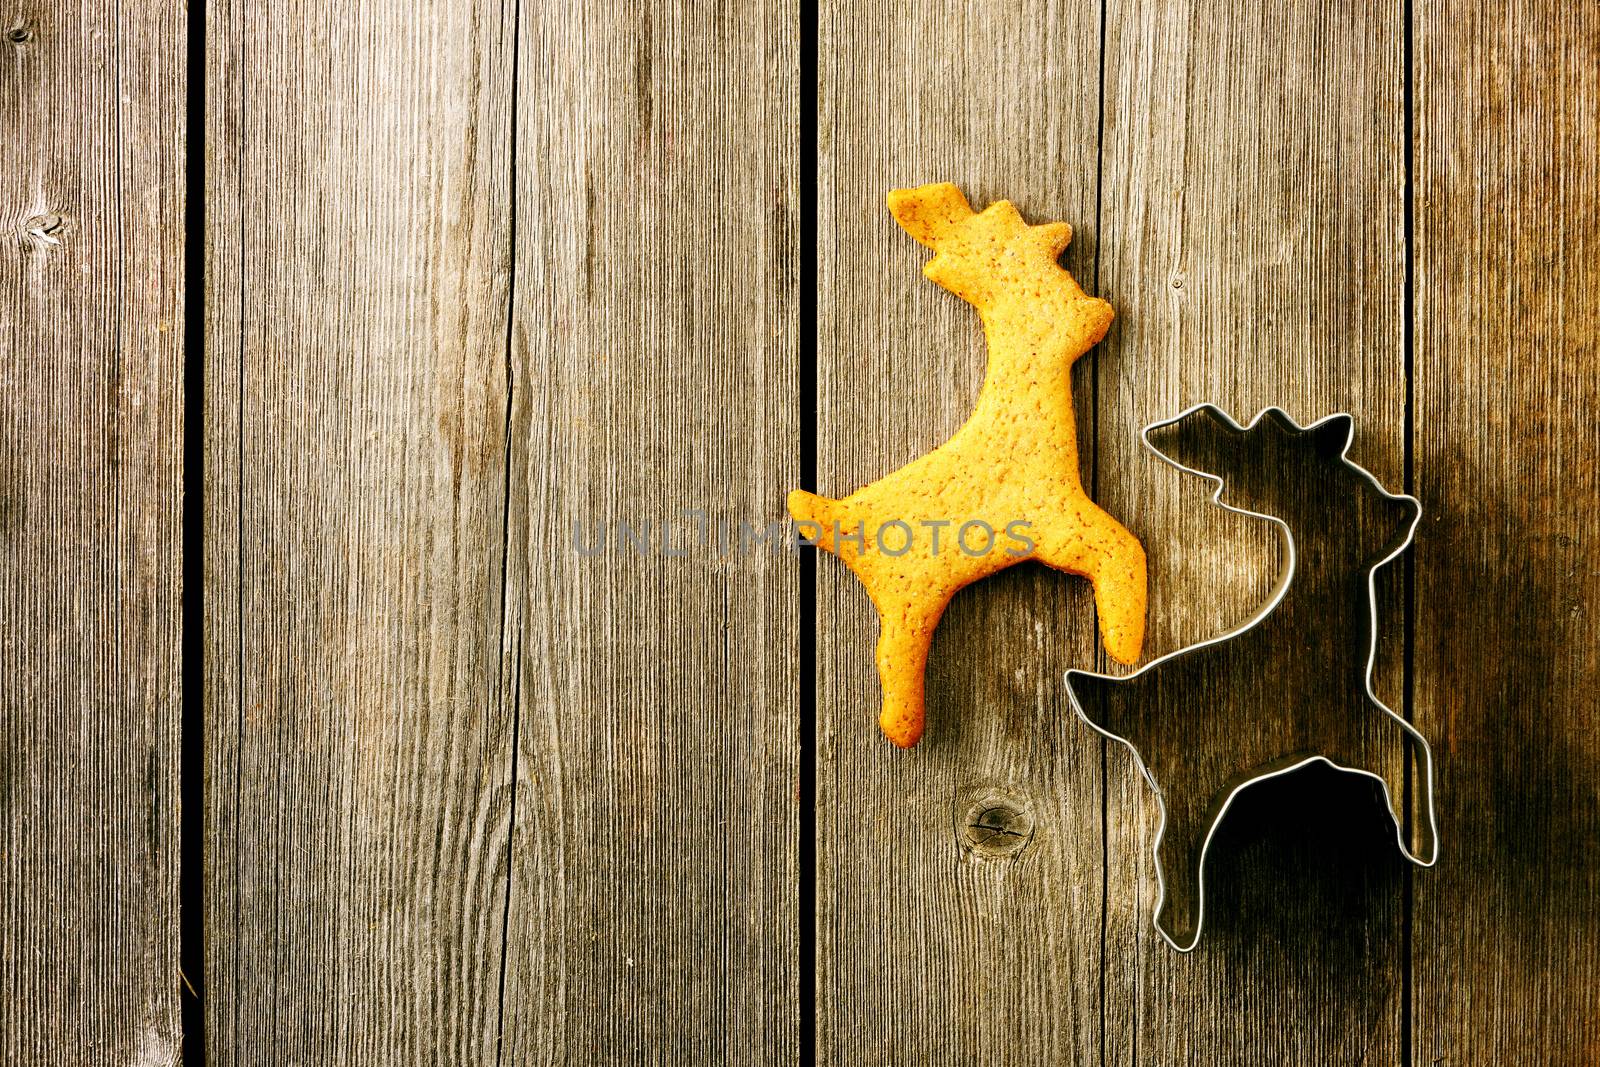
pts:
[1256, 659]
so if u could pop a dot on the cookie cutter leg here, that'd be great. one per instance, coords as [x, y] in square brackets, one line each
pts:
[1181, 854]
[1394, 748]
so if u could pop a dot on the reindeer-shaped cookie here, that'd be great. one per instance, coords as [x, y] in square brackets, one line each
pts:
[1294, 684]
[917, 536]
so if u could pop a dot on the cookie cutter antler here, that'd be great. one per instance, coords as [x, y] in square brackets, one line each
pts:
[1252, 667]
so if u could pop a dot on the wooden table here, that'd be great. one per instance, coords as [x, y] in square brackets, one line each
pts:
[473, 272]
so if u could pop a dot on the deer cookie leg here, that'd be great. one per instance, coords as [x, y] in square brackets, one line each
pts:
[1118, 575]
[1103, 551]
[903, 643]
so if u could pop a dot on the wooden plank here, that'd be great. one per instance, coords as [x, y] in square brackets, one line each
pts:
[91, 437]
[935, 943]
[396, 475]
[653, 896]
[1507, 340]
[1253, 246]
[359, 709]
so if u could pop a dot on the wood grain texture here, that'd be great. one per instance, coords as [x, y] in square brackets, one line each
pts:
[1507, 341]
[1253, 245]
[91, 209]
[654, 883]
[479, 275]
[476, 276]
[940, 942]
[360, 721]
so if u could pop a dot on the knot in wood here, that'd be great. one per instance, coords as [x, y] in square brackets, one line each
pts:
[996, 827]
[46, 229]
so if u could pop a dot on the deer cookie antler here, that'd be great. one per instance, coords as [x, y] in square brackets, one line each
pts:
[1005, 487]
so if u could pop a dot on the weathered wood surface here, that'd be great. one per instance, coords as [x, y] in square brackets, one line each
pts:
[1253, 242]
[939, 942]
[91, 306]
[654, 884]
[359, 709]
[471, 797]
[475, 276]
[1507, 664]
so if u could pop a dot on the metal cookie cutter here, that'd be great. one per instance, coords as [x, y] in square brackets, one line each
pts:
[1291, 686]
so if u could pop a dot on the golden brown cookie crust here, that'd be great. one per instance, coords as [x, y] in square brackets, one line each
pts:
[1015, 460]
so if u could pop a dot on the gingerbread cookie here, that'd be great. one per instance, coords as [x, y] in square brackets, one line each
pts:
[1005, 488]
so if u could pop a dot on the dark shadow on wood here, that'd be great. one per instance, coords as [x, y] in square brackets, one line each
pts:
[1299, 940]
[1518, 810]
